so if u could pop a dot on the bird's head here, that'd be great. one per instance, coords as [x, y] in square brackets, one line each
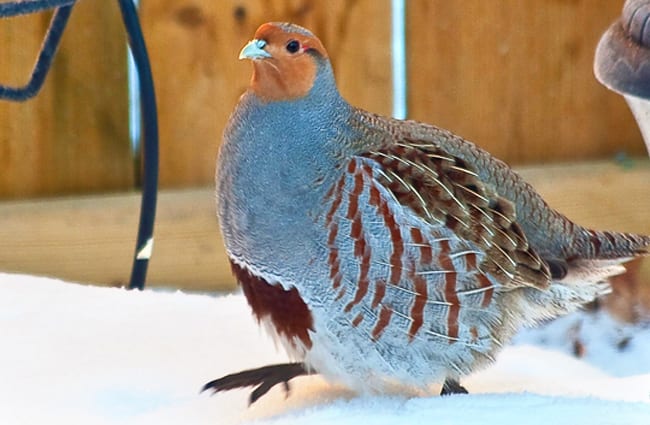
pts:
[287, 60]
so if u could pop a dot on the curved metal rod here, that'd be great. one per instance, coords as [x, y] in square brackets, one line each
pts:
[144, 243]
[24, 7]
[44, 61]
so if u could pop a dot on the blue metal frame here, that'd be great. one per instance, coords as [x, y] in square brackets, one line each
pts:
[149, 114]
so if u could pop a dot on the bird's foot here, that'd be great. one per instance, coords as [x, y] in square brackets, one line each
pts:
[452, 386]
[264, 378]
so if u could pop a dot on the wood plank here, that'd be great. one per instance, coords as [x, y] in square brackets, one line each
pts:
[91, 239]
[73, 137]
[516, 77]
[194, 46]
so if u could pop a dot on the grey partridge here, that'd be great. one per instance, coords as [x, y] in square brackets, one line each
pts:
[380, 251]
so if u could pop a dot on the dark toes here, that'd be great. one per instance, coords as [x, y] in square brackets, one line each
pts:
[263, 378]
[452, 386]
[263, 389]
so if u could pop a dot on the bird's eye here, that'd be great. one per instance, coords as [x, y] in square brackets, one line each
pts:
[293, 46]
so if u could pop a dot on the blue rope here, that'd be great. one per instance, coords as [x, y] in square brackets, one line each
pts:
[149, 153]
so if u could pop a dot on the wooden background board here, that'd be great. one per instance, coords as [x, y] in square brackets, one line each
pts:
[73, 137]
[513, 76]
[91, 239]
[516, 77]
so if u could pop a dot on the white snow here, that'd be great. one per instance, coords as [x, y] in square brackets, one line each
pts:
[621, 349]
[78, 354]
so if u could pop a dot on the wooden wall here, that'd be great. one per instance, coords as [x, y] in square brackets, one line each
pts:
[514, 76]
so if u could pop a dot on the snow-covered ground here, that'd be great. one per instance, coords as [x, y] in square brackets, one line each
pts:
[85, 355]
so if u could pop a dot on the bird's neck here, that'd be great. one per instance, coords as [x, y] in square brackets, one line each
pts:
[277, 82]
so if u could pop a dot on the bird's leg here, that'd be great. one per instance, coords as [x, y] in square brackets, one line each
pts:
[452, 386]
[264, 378]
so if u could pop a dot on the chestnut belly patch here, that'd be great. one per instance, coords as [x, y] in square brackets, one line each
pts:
[284, 308]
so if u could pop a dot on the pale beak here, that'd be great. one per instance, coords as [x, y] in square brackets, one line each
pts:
[254, 50]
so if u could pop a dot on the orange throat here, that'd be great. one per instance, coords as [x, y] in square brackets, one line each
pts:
[281, 80]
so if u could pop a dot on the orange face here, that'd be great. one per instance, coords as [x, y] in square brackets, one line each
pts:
[284, 67]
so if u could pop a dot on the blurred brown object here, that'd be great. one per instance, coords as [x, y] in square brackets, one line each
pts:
[622, 62]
